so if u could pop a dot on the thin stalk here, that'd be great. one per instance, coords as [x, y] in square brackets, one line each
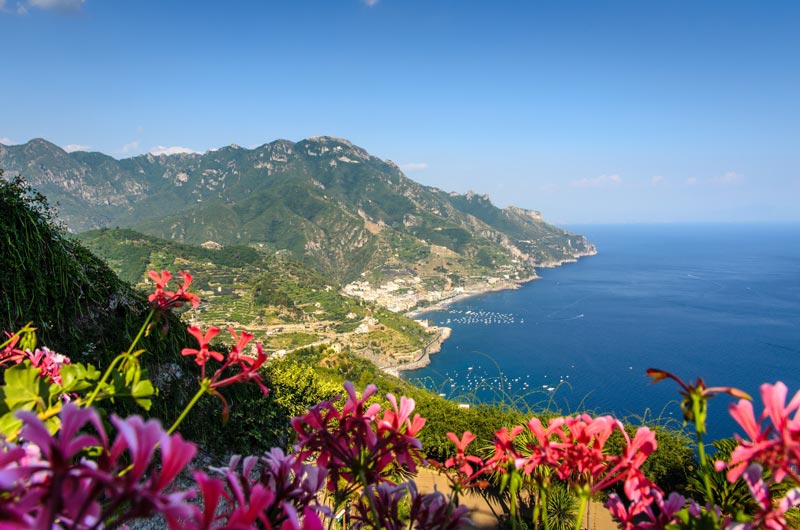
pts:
[103, 379]
[117, 359]
[204, 385]
[701, 451]
[370, 499]
[142, 330]
[543, 496]
[583, 503]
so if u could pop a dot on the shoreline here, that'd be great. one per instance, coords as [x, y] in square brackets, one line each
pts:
[436, 345]
[505, 285]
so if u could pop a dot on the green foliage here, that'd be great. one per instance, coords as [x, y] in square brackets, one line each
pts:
[562, 508]
[671, 463]
[25, 390]
[77, 303]
[731, 497]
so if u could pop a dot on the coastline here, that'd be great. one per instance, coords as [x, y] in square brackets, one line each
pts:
[475, 290]
[436, 345]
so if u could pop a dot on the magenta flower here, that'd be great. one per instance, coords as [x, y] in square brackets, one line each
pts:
[63, 485]
[770, 515]
[271, 491]
[435, 511]
[49, 363]
[353, 444]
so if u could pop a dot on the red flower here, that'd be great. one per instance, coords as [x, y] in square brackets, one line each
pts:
[203, 354]
[162, 299]
[249, 369]
[504, 450]
[238, 348]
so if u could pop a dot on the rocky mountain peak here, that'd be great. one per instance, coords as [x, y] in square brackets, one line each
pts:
[477, 197]
[533, 214]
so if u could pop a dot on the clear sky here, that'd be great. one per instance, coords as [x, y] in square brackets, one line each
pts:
[590, 111]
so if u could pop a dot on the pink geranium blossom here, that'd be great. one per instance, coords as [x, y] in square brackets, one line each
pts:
[773, 440]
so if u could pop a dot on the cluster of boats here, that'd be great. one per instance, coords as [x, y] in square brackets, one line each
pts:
[481, 317]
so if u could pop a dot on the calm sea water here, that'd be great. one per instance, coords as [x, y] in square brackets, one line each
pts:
[717, 301]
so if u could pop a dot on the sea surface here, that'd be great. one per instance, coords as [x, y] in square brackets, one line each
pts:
[721, 302]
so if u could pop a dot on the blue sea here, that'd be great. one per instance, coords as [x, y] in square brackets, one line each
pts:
[721, 302]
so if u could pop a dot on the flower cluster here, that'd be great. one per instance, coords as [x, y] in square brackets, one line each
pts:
[163, 299]
[49, 480]
[60, 468]
[773, 444]
[431, 511]
[80, 478]
[356, 444]
[570, 448]
[47, 361]
[275, 490]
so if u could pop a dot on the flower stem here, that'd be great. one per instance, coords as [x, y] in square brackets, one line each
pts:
[582, 503]
[204, 385]
[371, 500]
[118, 358]
[701, 450]
[142, 330]
[103, 379]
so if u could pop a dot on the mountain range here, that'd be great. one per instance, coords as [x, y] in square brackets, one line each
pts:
[325, 201]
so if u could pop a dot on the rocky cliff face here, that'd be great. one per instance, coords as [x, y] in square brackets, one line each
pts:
[325, 200]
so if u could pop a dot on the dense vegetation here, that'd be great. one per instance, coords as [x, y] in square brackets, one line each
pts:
[267, 291]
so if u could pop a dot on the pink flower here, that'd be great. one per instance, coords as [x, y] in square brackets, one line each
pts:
[272, 490]
[398, 417]
[770, 515]
[463, 461]
[49, 363]
[504, 450]
[63, 485]
[776, 444]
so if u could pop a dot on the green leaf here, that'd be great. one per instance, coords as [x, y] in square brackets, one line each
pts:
[24, 388]
[129, 383]
[142, 391]
[75, 378]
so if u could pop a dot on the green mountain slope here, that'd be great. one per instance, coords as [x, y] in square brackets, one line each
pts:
[328, 202]
[283, 302]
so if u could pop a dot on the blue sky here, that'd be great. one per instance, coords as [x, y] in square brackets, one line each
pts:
[590, 111]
